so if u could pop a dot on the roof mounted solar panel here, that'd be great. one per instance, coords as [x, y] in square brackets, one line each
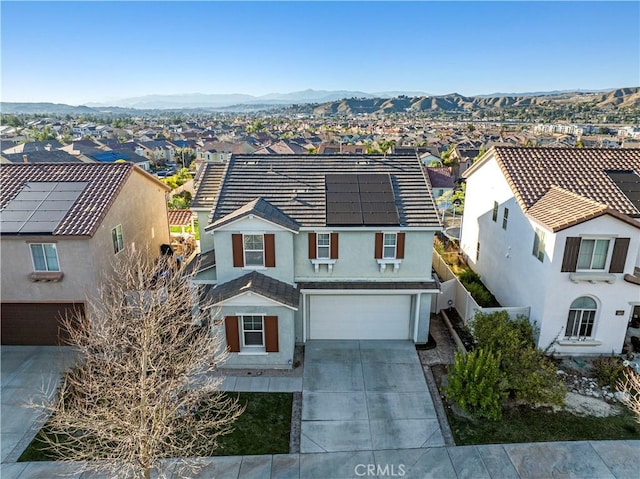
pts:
[628, 181]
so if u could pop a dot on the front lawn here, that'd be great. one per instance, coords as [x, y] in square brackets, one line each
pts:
[263, 428]
[524, 424]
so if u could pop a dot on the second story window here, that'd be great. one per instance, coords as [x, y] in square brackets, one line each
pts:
[593, 254]
[389, 249]
[494, 215]
[538, 245]
[253, 250]
[323, 241]
[45, 257]
[505, 218]
[117, 239]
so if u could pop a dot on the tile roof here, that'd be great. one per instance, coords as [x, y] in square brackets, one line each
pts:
[440, 177]
[208, 183]
[258, 283]
[180, 217]
[583, 171]
[295, 184]
[105, 180]
[201, 262]
[261, 208]
[42, 156]
[368, 285]
[559, 209]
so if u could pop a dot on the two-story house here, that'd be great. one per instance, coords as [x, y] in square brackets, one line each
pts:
[558, 229]
[62, 226]
[301, 247]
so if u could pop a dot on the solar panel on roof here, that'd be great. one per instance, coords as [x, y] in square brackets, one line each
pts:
[629, 183]
[40, 206]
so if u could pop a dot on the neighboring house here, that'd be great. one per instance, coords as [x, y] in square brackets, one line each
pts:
[33, 146]
[157, 150]
[441, 181]
[61, 227]
[315, 247]
[558, 229]
[42, 156]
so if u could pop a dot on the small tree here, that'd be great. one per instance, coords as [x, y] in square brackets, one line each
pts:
[143, 388]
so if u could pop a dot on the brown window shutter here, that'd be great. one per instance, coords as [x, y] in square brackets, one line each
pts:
[571, 251]
[270, 250]
[271, 334]
[334, 245]
[232, 334]
[619, 256]
[238, 250]
[378, 247]
[400, 246]
[312, 246]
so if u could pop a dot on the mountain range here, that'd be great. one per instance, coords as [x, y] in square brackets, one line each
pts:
[342, 102]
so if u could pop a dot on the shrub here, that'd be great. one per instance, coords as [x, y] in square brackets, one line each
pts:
[474, 383]
[498, 332]
[480, 294]
[469, 276]
[609, 371]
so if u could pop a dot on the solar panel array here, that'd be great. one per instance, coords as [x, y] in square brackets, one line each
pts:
[360, 200]
[40, 206]
[629, 184]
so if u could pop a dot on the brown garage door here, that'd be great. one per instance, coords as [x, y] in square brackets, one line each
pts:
[35, 323]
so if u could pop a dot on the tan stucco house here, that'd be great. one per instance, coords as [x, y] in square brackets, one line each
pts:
[62, 225]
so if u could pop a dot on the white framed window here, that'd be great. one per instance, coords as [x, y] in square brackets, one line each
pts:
[505, 218]
[389, 246]
[582, 317]
[253, 250]
[116, 238]
[44, 257]
[252, 331]
[323, 245]
[538, 245]
[494, 214]
[593, 254]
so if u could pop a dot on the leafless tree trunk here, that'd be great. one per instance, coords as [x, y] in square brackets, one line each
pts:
[144, 387]
[631, 387]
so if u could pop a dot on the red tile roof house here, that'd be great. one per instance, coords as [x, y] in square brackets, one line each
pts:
[62, 225]
[300, 247]
[558, 229]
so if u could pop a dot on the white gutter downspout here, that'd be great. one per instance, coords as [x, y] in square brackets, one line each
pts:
[416, 319]
[304, 318]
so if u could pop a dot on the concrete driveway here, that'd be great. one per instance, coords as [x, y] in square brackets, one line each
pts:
[365, 395]
[29, 373]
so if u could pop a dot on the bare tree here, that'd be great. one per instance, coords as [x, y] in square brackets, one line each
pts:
[630, 387]
[144, 387]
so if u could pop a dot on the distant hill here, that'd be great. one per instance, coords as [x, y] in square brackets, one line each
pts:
[454, 102]
[44, 108]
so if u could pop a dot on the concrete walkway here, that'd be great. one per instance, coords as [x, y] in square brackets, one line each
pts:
[365, 395]
[579, 460]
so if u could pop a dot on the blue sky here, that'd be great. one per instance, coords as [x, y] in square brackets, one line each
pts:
[77, 52]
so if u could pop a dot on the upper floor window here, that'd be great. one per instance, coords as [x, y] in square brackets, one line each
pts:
[593, 254]
[494, 215]
[582, 316]
[116, 238]
[253, 250]
[389, 248]
[538, 245]
[252, 331]
[44, 256]
[323, 241]
[505, 218]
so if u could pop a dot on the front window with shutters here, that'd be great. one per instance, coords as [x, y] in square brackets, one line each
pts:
[253, 250]
[323, 245]
[252, 331]
[593, 254]
[582, 316]
[389, 246]
[45, 257]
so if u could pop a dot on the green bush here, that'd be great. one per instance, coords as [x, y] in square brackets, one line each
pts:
[475, 383]
[609, 371]
[469, 276]
[528, 374]
[480, 294]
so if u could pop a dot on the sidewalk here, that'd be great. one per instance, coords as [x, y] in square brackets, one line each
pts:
[579, 460]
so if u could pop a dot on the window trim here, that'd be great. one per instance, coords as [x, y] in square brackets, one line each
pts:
[245, 250]
[607, 258]
[44, 255]
[324, 246]
[117, 241]
[395, 245]
[251, 347]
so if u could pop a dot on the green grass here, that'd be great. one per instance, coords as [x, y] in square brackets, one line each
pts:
[263, 428]
[524, 424]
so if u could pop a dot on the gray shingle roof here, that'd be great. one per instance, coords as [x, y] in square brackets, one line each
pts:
[104, 182]
[368, 285]
[208, 182]
[261, 208]
[43, 156]
[295, 184]
[258, 283]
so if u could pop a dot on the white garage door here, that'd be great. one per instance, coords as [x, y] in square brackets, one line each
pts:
[360, 317]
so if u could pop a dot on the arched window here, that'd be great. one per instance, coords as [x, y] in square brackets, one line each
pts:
[582, 315]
